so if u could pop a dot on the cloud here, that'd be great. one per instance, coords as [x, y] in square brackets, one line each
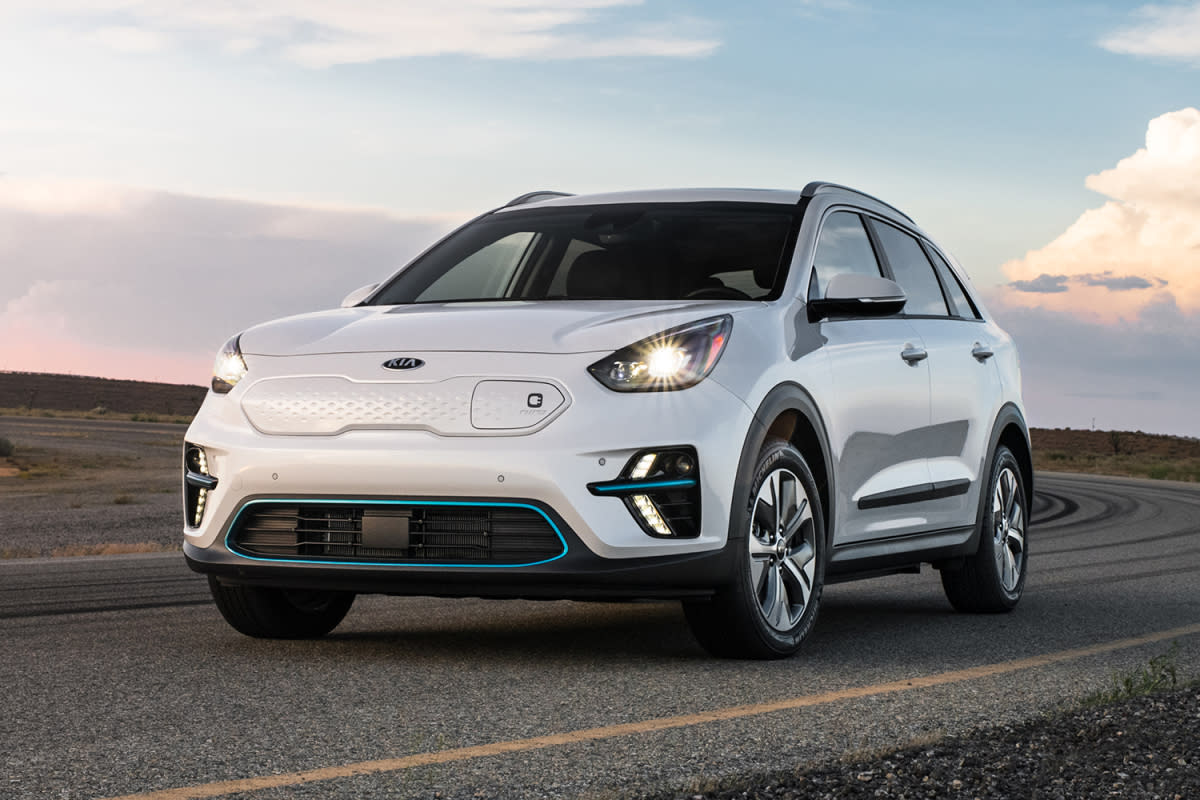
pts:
[1045, 284]
[1118, 283]
[1140, 247]
[1107, 315]
[127, 39]
[1163, 31]
[1053, 284]
[317, 33]
[141, 284]
[1136, 374]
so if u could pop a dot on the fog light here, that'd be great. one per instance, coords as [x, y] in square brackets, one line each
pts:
[642, 468]
[661, 489]
[198, 515]
[650, 514]
[197, 483]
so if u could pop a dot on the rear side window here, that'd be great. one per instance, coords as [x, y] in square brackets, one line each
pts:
[958, 295]
[843, 247]
[913, 272]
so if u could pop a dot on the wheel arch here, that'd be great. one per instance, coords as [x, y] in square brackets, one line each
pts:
[1010, 430]
[787, 412]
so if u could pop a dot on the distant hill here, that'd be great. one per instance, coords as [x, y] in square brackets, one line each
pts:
[1111, 443]
[38, 391]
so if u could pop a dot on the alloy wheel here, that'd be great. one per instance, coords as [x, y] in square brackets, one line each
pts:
[1008, 529]
[783, 553]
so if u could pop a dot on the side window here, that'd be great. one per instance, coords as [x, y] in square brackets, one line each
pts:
[958, 295]
[485, 274]
[843, 247]
[913, 272]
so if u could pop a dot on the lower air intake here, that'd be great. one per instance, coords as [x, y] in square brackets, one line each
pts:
[396, 532]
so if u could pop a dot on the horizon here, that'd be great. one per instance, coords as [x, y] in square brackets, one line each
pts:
[171, 177]
[204, 386]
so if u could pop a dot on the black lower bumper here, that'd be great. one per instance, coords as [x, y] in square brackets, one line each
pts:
[579, 575]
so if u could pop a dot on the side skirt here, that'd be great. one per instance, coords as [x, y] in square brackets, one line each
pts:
[900, 553]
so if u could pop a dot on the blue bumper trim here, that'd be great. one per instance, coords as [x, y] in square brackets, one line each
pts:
[626, 486]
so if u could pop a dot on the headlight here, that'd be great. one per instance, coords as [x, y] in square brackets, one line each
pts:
[229, 367]
[674, 359]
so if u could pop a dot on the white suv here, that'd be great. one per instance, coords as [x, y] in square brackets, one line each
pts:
[729, 397]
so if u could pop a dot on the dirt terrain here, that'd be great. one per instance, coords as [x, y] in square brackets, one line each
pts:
[35, 391]
[89, 486]
[1132, 453]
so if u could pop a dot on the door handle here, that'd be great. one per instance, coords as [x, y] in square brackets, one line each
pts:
[982, 352]
[913, 354]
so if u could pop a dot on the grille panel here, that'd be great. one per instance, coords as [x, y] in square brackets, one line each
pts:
[396, 532]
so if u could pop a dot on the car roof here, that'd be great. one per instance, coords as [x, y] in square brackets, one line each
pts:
[547, 199]
[783, 197]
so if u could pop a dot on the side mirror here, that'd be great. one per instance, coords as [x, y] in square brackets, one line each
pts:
[358, 295]
[858, 295]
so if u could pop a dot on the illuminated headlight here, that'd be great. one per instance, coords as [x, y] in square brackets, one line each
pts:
[674, 359]
[229, 368]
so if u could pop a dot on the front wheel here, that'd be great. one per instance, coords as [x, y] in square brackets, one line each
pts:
[992, 580]
[779, 566]
[265, 612]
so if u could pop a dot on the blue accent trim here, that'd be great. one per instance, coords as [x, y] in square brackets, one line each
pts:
[633, 486]
[332, 501]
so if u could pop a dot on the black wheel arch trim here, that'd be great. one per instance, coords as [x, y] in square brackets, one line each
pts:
[1010, 415]
[783, 398]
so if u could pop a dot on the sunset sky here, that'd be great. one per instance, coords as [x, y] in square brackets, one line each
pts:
[172, 172]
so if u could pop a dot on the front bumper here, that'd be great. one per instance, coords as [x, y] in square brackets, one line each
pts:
[551, 467]
[578, 575]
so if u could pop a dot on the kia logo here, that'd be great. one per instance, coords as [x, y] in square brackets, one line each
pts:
[403, 362]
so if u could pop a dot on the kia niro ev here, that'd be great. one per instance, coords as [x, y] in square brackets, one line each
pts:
[726, 397]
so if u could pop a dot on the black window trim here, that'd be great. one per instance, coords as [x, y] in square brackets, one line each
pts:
[873, 220]
[932, 250]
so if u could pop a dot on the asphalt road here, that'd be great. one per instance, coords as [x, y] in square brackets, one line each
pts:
[119, 678]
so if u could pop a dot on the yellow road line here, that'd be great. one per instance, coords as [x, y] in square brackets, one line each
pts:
[219, 788]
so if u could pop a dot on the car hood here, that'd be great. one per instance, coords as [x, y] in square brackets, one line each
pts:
[506, 326]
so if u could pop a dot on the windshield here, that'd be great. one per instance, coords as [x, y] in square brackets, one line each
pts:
[647, 252]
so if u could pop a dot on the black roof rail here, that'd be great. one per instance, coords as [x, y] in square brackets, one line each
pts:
[816, 186]
[533, 197]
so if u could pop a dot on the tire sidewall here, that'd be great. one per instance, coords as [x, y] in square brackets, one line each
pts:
[777, 454]
[987, 540]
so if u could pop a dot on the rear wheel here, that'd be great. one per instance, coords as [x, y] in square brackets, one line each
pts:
[771, 604]
[992, 580]
[269, 613]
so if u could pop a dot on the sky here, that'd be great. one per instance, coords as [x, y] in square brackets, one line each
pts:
[173, 172]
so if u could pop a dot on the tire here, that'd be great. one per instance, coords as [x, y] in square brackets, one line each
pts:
[992, 580]
[268, 613]
[771, 603]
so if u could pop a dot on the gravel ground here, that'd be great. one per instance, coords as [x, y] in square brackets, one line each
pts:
[89, 484]
[1147, 747]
